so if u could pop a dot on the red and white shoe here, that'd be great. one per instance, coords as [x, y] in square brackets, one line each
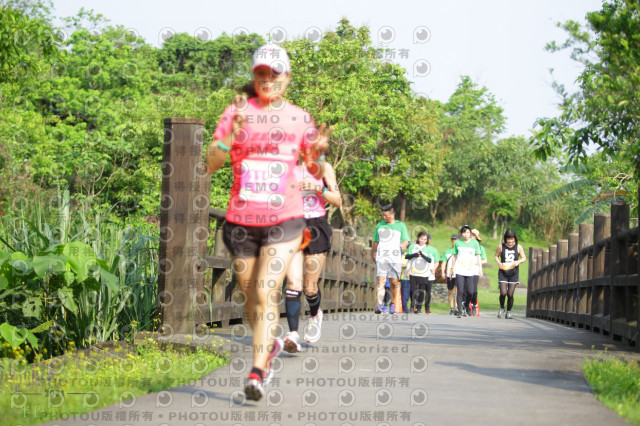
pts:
[275, 351]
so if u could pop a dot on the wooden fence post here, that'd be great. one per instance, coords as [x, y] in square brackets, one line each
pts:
[553, 265]
[364, 295]
[544, 261]
[561, 288]
[617, 299]
[601, 226]
[531, 284]
[637, 288]
[537, 283]
[335, 285]
[184, 224]
[583, 302]
[571, 280]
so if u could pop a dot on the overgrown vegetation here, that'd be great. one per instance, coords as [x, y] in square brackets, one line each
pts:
[72, 276]
[85, 381]
[617, 384]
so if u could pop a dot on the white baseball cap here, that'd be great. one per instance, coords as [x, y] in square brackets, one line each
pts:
[272, 56]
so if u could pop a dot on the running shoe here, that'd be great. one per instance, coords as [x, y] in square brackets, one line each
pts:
[508, 316]
[269, 373]
[500, 312]
[452, 311]
[292, 342]
[475, 311]
[385, 309]
[253, 389]
[378, 309]
[313, 330]
[459, 313]
[392, 308]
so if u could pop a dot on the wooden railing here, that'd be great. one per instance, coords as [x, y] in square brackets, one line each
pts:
[590, 280]
[187, 299]
[346, 282]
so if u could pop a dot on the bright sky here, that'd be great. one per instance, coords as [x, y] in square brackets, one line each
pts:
[498, 43]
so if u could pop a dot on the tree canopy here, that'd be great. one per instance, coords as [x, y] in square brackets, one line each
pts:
[603, 114]
[85, 113]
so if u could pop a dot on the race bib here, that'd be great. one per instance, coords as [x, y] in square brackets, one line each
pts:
[262, 180]
[466, 262]
[420, 266]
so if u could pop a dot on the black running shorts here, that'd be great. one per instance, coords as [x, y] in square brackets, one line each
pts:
[321, 233]
[245, 241]
[510, 276]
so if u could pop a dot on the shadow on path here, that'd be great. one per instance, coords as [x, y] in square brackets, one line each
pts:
[566, 380]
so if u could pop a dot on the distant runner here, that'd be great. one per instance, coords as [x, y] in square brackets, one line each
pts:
[390, 239]
[509, 256]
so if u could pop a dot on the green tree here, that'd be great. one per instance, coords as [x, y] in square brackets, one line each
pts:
[598, 181]
[471, 123]
[383, 137]
[207, 65]
[24, 41]
[605, 111]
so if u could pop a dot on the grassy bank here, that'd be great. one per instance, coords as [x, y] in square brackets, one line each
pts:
[617, 384]
[88, 380]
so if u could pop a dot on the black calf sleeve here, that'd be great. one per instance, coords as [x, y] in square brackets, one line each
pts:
[293, 305]
[314, 303]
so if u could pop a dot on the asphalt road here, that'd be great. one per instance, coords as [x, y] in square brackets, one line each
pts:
[394, 370]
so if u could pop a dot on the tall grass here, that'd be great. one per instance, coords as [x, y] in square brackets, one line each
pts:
[617, 384]
[98, 311]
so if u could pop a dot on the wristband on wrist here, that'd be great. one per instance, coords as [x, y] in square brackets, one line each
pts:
[324, 191]
[223, 147]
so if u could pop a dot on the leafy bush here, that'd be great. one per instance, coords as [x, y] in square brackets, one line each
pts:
[90, 281]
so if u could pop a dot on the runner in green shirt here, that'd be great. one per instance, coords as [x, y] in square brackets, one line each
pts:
[391, 237]
[473, 304]
[420, 267]
[466, 255]
[432, 252]
[447, 257]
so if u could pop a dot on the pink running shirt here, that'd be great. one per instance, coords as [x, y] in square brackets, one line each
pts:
[263, 157]
[313, 204]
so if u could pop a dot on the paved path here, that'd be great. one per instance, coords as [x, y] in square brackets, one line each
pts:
[405, 370]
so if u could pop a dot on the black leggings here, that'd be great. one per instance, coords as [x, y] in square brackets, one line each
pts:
[420, 292]
[507, 290]
[474, 297]
[465, 288]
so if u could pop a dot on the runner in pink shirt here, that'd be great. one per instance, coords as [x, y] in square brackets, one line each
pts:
[265, 136]
[316, 193]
